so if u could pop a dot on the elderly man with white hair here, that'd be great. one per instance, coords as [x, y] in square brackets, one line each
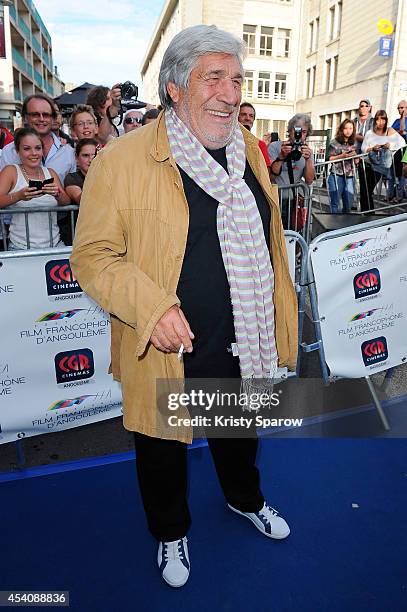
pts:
[179, 237]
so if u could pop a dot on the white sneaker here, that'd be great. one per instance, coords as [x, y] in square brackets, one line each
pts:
[173, 561]
[267, 521]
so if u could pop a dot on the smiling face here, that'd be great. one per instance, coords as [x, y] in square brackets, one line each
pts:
[39, 116]
[85, 126]
[210, 105]
[246, 116]
[30, 151]
[85, 157]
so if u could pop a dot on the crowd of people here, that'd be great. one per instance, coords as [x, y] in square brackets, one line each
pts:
[42, 166]
[91, 126]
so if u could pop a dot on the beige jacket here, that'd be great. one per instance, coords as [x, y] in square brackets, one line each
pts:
[128, 253]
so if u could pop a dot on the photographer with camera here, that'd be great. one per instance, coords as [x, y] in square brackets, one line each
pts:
[106, 106]
[292, 160]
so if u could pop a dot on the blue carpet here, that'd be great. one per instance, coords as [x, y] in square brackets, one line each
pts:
[84, 531]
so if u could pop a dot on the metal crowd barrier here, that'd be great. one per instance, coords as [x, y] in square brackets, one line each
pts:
[382, 202]
[296, 208]
[27, 212]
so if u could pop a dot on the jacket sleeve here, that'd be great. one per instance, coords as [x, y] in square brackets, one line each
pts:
[98, 260]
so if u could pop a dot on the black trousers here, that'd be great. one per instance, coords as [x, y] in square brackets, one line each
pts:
[162, 475]
[368, 180]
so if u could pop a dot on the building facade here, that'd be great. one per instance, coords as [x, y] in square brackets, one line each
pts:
[339, 61]
[271, 29]
[26, 66]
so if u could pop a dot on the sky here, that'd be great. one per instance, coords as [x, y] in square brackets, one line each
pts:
[100, 41]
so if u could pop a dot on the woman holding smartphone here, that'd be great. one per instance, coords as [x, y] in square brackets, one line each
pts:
[27, 185]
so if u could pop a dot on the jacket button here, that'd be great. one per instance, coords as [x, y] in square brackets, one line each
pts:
[178, 257]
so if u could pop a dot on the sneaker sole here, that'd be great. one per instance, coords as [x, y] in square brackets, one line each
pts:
[174, 586]
[268, 535]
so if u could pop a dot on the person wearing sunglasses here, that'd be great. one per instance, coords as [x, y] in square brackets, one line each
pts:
[38, 112]
[363, 122]
[132, 120]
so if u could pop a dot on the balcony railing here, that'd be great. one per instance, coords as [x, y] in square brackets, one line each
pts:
[13, 13]
[21, 62]
[38, 78]
[38, 19]
[17, 94]
[36, 46]
[24, 27]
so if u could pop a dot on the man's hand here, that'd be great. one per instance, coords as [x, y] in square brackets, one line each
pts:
[306, 151]
[286, 149]
[171, 331]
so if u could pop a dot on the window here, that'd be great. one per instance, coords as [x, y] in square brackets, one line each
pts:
[308, 83]
[331, 67]
[249, 36]
[283, 43]
[263, 85]
[310, 36]
[339, 18]
[262, 127]
[247, 91]
[280, 87]
[266, 41]
[316, 33]
[331, 23]
[279, 126]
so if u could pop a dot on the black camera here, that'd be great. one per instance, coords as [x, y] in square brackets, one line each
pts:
[297, 144]
[129, 95]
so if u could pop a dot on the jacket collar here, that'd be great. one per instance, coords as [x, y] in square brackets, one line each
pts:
[161, 151]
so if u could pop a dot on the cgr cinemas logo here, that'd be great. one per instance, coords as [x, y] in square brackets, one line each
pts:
[60, 278]
[74, 365]
[366, 283]
[374, 351]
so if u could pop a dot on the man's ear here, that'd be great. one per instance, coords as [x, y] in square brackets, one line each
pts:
[173, 92]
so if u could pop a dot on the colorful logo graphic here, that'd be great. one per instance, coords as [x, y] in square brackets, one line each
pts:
[363, 315]
[374, 351]
[350, 246]
[366, 283]
[74, 365]
[57, 315]
[69, 403]
[60, 278]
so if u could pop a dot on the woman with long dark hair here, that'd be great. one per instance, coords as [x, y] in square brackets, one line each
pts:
[379, 142]
[29, 184]
[341, 181]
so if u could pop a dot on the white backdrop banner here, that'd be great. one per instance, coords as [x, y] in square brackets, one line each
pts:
[54, 350]
[361, 284]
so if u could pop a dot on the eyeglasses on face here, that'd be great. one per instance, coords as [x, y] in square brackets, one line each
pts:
[130, 120]
[363, 105]
[38, 115]
[83, 124]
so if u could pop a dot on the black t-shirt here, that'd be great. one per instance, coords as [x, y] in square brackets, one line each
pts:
[74, 178]
[203, 286]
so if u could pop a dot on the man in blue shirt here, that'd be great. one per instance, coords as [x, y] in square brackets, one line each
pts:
[400, 124]
[38, 112]
[396, 187]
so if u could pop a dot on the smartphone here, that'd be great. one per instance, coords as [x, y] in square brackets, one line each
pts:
[36, 184]
[48, 181]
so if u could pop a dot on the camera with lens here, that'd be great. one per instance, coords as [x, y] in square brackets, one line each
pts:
[129, 95]
[297, 144]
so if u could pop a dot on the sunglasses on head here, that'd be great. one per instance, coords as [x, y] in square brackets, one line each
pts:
[130, 120]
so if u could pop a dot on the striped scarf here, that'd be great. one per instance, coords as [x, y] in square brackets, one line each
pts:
[245, 254]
